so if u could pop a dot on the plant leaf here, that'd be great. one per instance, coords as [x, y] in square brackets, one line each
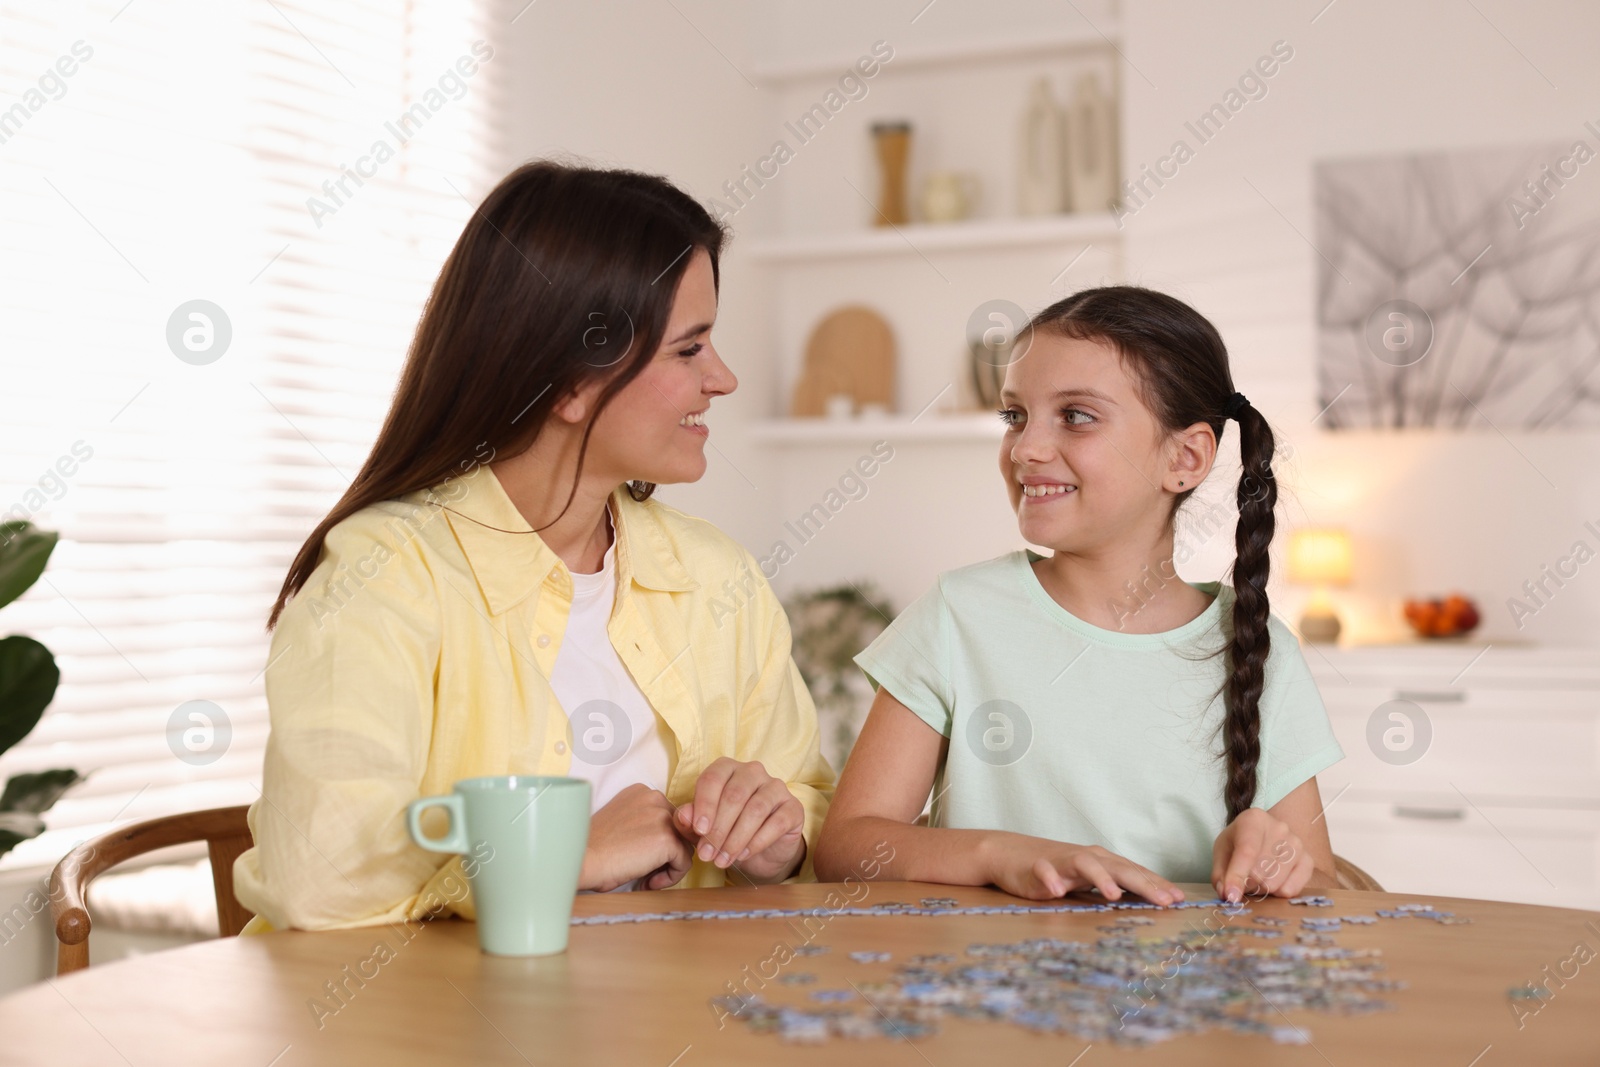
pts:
[17, 827]
[37, 791]
[28, 680]
[24, 550]
[21, 822]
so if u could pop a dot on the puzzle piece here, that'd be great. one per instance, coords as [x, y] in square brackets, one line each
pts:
[1529, 992]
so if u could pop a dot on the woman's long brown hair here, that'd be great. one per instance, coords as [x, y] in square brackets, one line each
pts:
[1182, 367]
[563, 274]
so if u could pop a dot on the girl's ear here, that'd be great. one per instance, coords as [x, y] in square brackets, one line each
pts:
[1190, 455]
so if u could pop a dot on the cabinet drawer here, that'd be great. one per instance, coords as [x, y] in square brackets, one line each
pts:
[1484, 742]
[1439, 844]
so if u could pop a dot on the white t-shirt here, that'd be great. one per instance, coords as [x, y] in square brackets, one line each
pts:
[617, 739]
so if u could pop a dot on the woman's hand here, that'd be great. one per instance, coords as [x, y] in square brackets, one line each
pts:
[1038, 869]
[1259, 853]
[633, 837]
[744, 816]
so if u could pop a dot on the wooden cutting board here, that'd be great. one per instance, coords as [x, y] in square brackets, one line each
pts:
[850, 351]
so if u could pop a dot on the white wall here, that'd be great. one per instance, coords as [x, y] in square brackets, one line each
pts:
[639, 85]
[1429, 512]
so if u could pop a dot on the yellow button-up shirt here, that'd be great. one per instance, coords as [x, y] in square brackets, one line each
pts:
[419, 654]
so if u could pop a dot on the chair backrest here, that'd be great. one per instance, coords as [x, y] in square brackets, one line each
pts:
[225, 831]
[1353, 877]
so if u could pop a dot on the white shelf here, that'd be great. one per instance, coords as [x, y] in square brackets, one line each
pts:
[1085, 39]
[964, 426]
[924, 237]
[959, 82]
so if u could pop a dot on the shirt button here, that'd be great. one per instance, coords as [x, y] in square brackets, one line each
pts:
[561, 748]
[555, 572]
[544, 641]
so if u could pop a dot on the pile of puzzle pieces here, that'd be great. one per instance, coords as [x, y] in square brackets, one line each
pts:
[1124, 988]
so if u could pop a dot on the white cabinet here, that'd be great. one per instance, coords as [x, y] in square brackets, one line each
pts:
[1467, 772]
[1532, 855]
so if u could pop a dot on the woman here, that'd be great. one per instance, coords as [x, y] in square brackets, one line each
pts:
[497, 593]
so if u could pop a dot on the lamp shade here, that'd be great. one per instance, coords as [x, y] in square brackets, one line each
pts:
[1319, 556]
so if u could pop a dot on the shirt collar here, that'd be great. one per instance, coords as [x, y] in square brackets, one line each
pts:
[510, 566]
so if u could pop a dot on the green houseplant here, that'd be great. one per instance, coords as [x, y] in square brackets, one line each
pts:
[28, 680]
[829, 626]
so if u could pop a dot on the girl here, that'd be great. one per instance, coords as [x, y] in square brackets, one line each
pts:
[1067, 710]
[497, 593]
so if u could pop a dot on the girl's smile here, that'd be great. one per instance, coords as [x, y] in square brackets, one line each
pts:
[1037, 491]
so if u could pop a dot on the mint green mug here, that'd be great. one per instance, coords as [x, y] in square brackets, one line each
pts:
[528, 835]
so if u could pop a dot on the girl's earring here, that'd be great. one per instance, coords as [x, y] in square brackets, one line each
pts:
[1180, 483]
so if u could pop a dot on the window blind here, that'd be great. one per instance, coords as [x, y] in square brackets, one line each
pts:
[300, 168]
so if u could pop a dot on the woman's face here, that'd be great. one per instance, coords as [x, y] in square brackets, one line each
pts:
[655, 429]
[1081, 457]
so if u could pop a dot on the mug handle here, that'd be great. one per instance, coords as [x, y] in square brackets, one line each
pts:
[456, 839]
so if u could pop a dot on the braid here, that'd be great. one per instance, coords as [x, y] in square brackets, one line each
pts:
[1249, 643]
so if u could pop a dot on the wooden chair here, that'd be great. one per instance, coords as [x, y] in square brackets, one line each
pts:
[225, 832]
[1353, 877]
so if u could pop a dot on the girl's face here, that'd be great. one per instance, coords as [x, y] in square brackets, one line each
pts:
[653, 430]
[1083, 458]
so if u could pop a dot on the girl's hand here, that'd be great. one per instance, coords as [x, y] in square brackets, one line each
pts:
[633, 837]
[743, 815]
[1037, 869]
[1259, 853]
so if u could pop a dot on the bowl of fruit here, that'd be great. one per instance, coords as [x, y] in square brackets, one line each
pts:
[1450, 616]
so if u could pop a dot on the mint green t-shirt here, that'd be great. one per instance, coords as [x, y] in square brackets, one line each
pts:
[1064, 730]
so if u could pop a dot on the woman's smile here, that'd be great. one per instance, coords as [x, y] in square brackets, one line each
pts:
[695, 423]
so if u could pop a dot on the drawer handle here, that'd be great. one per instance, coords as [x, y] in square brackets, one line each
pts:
[1432, 696]
[1401, 811]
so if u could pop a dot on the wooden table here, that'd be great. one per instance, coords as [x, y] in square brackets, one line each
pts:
[641, 994]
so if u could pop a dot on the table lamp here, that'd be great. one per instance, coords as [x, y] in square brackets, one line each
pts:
[1319, 557]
